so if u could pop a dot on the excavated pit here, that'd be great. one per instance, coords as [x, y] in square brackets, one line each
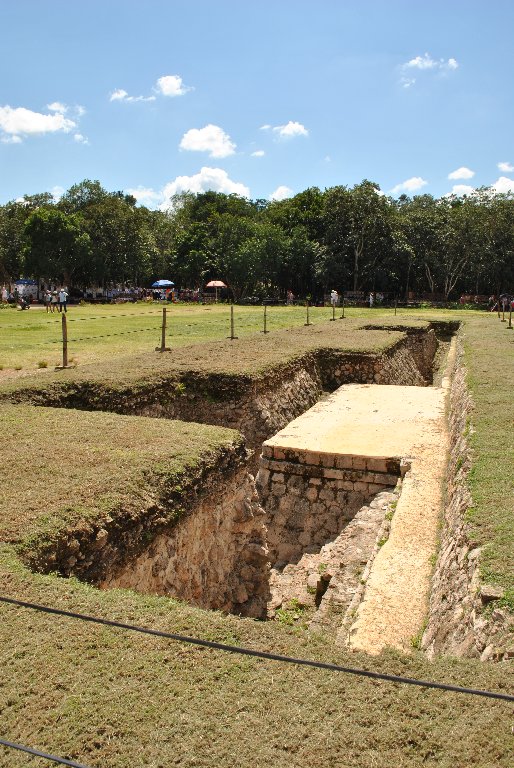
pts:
[315, 528]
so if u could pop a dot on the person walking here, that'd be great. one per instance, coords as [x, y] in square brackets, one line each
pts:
[47, 298]
[63, 298]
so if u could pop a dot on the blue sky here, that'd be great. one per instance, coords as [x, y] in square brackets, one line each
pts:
[260, 98]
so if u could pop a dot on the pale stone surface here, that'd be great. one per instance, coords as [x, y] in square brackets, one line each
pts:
[380, 425]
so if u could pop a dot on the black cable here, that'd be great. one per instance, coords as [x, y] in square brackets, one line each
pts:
[37, 753]
[259, 654]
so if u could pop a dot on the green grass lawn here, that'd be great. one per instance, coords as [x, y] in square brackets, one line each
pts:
[114, 699]
[105, 332]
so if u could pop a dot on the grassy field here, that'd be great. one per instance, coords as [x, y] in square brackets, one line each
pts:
[114, 699]
[106, 332]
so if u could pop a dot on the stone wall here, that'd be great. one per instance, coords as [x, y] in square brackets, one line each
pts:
[214, 557]
[457, 623]
[310, 497]
[200, 537]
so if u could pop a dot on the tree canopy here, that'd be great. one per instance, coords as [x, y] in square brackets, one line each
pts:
[355, 239]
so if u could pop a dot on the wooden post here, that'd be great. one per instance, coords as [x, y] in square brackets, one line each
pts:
[308, 321]
[503, 312]
[265, 318]
[163, 347]
[232, 323]
[395, 306]
[333, 311]
[342, 316]
[510, 317]
[64, 342]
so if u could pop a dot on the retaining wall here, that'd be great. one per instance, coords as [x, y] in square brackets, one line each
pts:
[461, 620]
[214, 557]
[310, 497]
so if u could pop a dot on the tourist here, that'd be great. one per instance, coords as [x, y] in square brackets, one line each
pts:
[63, 298]
[54, 301]
[47, 298]
[334, 298]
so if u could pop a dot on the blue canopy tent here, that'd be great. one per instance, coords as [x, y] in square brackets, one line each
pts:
[162, 284]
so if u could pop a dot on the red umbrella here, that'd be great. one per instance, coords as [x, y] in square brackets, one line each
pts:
[216, 284]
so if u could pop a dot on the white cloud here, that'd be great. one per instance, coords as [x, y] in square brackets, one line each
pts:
[171, 85]
[409, 185]
[146, 195]
[57, 192]
[81, 111]
[425, 63]
[258, 153]
[461, 189]
[80, 139]
[281, 193]
[461, 173]
[503, 184]
[265, 127]
[506, 167]
[211, 139]
[21, 122]
[215, 179]
[56, 106]
[122, 95]
[290, 130]
[10, 140]
[118, 95]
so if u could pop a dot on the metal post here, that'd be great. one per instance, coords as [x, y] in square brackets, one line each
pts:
[342, 316]
[308, 321]
[265, 319]
[503, 312]
[163, 347]
[333, 311]
[510, 317]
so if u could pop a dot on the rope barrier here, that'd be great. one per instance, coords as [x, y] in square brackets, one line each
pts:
[92, 338]
[259, 654]
[37, 753]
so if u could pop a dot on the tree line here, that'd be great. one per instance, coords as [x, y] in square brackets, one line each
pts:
[350, 239]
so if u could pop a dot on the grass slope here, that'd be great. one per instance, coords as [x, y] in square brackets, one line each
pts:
[489, 348]
[116, 699]
[65, 469]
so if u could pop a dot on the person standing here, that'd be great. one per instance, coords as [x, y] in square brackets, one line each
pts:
[334, 297]
[63, 298]
[53, 301]
[47, 299]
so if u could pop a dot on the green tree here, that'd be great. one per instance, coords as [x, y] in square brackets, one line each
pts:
[56, 245]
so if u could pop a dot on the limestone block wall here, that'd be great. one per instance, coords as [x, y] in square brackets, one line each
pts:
[214, 557]
[457, 622]
[310, 497]
[200, 537]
